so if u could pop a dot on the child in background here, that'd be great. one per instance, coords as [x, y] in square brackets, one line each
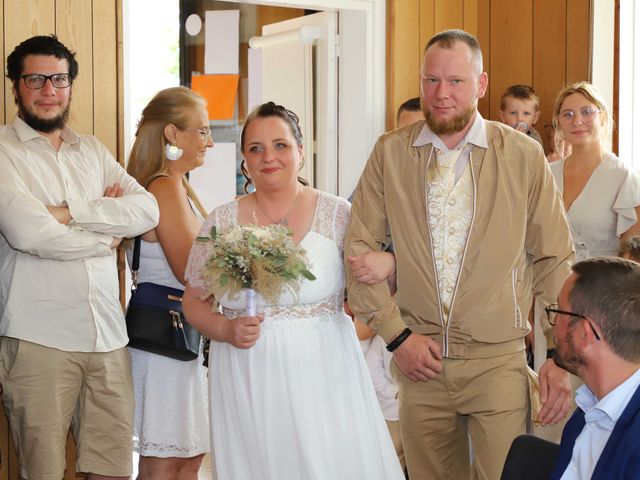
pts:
[630, 248]
[520, 109]
[409, 112]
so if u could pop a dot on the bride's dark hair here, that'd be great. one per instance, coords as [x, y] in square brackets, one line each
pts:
[270, 109]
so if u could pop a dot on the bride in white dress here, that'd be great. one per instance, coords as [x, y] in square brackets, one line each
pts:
[290, 394]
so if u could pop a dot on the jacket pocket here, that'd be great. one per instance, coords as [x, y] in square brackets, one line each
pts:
[517, 314]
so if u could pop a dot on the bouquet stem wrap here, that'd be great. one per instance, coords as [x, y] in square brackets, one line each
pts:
[250, 302]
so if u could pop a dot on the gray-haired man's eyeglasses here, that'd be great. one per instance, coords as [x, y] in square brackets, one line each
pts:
[553, 312]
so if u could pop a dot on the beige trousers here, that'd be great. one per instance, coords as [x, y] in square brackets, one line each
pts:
[394, 431]
[485, 400]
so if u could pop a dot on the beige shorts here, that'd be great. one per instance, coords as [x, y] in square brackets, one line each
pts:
[46, 390]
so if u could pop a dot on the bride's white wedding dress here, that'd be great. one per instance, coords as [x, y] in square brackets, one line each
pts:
[298, 405]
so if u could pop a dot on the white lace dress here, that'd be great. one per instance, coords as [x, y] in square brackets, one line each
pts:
[298, 405]
[171, 411]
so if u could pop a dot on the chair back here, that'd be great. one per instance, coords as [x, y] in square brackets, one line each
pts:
[530, 458]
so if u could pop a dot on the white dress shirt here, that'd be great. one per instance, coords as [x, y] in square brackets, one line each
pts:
[59, 283]
[600, 418]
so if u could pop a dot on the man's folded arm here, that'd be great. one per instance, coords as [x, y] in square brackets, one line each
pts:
[28, 226]
[131, 214]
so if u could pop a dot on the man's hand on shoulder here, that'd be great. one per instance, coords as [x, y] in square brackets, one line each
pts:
[555, 393]
[419, 358]
[60, 213]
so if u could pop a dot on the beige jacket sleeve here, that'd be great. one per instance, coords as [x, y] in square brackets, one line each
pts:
[548, 238]
[367, 232]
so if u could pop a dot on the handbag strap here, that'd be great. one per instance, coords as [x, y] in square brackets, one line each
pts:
[135, 262]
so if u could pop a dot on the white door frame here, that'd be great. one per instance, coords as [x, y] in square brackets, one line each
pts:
[361, 89]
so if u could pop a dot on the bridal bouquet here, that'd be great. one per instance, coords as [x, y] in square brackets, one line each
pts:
[259, 259]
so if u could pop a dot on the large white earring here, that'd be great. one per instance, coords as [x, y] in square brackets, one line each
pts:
[172, 152]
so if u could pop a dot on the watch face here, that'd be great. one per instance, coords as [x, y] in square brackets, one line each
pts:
[551, 352]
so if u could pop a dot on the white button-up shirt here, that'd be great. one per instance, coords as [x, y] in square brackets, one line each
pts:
[600, 418]
[59, 283]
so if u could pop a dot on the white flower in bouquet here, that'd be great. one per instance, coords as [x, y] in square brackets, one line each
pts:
[233, 236]
[263, 235]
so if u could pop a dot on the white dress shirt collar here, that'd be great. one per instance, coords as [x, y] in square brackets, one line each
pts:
[612, 404]
[25, 132]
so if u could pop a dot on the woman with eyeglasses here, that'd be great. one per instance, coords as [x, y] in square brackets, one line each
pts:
[171, 426]
[601, 194]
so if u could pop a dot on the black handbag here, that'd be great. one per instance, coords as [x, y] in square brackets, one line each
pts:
[155, 322]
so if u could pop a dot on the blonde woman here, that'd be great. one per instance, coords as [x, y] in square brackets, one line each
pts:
[601, 193]
[171, 426]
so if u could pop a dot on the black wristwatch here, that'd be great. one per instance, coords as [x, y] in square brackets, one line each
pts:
[551, 352]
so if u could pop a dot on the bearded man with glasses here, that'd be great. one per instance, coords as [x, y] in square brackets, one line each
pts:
[65, 205]
[597, 332]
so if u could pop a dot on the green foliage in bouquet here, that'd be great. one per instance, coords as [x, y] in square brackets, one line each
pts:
[249, 256]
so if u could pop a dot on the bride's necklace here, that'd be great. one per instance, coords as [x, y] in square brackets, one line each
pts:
[283, 220]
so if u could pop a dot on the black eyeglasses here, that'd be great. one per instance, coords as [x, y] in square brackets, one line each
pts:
[35, 81]
[553, 312]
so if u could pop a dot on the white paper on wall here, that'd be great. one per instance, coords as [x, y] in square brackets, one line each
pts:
[255, 78]
[215, 181]
[221, 41]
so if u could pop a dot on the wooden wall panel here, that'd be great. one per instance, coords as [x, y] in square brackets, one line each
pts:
[74, 29]
[549, 59]
[14, 470]
[105, 74]
[22, 19]
[4, 447]
[578, 41]
[511, 54]
[405, 54]
[448, 14]
[470, 16]
[427, 23]
[266, 15]
[484, 37]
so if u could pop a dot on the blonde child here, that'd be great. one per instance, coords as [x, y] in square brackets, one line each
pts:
[520, 109]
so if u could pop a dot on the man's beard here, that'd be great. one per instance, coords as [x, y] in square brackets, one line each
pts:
[455, 125]
[45, 125]
[571, 361]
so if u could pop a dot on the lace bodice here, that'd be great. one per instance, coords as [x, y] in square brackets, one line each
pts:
[324, 246]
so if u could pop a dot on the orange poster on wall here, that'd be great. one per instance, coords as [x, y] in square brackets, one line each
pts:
[220, 91]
